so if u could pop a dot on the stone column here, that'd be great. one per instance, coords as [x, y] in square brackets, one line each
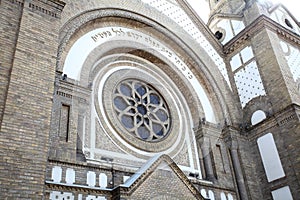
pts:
[80, 132]
[230, 137]
[206, 134]
[206, 152]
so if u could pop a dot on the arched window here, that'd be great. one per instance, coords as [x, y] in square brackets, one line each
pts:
[257, 117]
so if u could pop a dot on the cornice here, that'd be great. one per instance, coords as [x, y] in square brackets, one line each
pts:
[262, 22]
[279, 120]
[19, 3]
[78, 188]
[52, 8]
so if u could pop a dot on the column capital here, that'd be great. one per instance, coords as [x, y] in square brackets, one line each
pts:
[206, 129]
[230, 135]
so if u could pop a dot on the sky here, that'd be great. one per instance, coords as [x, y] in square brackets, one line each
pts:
[203, 10]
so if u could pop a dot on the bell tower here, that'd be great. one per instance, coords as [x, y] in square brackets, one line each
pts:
[261, 46]
[226, 6]
[226, 18]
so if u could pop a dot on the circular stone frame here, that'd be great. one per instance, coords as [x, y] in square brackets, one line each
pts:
[105, 87]
[142, 110]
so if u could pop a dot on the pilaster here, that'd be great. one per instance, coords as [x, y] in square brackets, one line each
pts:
[207, 136]
[230, 136]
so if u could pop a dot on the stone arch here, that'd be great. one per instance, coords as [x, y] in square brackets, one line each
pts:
[259, 103]
[135, 55]
[206, 76]
[195, 58]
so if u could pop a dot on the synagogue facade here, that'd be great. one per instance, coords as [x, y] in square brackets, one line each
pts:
[140, 99]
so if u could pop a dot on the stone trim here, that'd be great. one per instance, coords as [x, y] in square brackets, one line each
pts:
[210, 185]
[52, 8]
[68, 33]
[261, 23]
[86, 165]
[163, 158]
[123, 189]
[277, 120]
[19, 3]
[78, 188]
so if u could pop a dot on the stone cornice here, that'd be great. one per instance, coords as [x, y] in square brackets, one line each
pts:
[52, 8]
[261, 23]
[290, 114]
[207, 129]
[103, 166]
[78, 188]
[19, 3]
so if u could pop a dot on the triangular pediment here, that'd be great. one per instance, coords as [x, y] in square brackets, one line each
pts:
[159, 178]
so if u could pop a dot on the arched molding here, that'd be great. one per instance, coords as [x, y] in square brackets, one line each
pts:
[210, 76]
[257, 117]
[102, 58]
[259, 103]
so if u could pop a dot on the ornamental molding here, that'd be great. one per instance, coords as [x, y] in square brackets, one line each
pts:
[51, 186]
[52, 8]
[261, 23]
[68, 30]
[19, 3]
[288, 115]
[283, 118]
[81, 165]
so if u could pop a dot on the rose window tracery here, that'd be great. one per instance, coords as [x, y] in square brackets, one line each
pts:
[141, 110]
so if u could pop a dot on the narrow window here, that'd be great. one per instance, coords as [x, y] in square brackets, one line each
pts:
[282, 193]
[270, 157]
[64, 122]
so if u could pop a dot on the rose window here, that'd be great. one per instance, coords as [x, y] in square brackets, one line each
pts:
[141, 110]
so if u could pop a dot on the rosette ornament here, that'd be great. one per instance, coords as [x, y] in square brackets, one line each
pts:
[141, 110]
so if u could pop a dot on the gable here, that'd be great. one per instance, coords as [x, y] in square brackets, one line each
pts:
[163, 183]
[159, 178]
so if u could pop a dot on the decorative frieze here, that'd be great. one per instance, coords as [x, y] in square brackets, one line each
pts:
[63, 94]
[287, 116]
[52, 8]
[19, 3]
[261, 23]
[287, 119]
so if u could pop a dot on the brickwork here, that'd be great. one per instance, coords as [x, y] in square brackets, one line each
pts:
[279, 112]
[175, 190]
[56, 140]
[10, 22]
[26, 119]
[284, 135]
